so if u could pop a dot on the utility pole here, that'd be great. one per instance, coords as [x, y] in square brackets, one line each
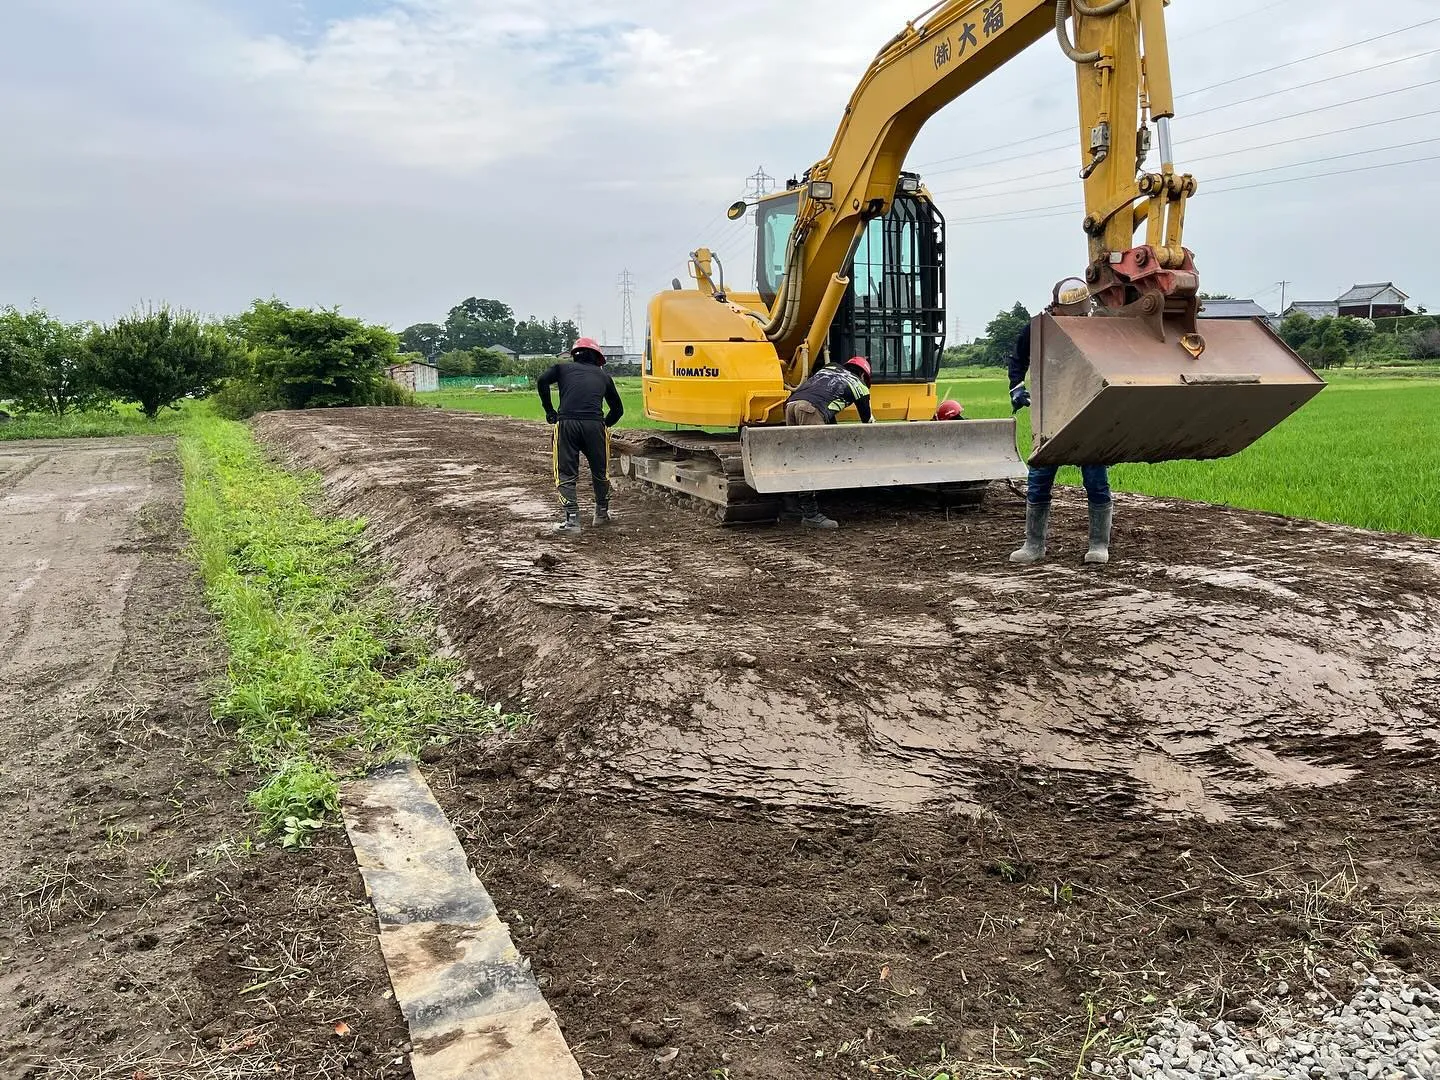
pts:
[757, 185]
[627, 324]
[1283, 286]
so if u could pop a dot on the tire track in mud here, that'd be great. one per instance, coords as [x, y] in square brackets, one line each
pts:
[900, 662]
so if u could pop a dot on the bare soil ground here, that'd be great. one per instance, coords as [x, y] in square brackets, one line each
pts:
[140, 937]
[815, 805]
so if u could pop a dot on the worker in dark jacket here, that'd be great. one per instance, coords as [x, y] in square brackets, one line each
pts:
[581, 428]
[819, 400]
[1042, 477]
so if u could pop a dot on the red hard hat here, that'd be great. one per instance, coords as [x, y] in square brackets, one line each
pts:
[949, 409]
[588, 343]
[860, 364]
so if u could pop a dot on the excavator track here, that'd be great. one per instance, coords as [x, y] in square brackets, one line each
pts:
[706, 468]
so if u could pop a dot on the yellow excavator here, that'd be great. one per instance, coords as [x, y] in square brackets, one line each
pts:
[851, 261]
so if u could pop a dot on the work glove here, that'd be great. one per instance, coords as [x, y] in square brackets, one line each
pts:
[552, 418]
[1019, 398]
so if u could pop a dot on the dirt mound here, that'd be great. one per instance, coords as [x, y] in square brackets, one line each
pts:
[895, 664]
[800, 805]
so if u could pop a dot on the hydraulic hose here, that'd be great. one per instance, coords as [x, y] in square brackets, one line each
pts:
[1062, 29]
[1109, 7]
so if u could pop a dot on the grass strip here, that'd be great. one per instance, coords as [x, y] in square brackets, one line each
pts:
[328, 673]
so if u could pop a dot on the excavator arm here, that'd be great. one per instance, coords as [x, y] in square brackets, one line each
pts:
[1123, 71]
[1121, 369]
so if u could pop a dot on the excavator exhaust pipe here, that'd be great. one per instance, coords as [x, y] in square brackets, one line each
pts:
[1107, 389]
[838, 456]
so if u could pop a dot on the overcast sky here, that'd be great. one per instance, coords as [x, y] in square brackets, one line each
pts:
[395, 156]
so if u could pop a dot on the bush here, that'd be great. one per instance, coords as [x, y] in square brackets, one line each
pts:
[45, 365]
[242, 398]
[159, 357]
[311, 359]
[392, 393]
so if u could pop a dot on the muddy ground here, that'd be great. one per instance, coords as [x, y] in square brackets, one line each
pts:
[142, 935]
[799, 805]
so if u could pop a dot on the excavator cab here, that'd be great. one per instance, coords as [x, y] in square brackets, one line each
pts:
[893, 313]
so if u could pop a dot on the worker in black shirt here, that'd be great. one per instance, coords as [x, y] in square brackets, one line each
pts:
[580, 428]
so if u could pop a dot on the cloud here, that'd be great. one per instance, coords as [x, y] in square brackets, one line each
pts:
[395, 156]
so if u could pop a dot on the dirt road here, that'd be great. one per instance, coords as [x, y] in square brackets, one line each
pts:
[796, 803]
[140, 934]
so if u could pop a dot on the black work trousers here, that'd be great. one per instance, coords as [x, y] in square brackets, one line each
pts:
[571, 439]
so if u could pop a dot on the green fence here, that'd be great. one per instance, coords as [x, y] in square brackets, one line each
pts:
[469, 382]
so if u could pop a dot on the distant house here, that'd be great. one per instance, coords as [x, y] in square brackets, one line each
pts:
[1316, 309]
[1232, 309]
[418, 378]
[1381, 300]
[505, 351]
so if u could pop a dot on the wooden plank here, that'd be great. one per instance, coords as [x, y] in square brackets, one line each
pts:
[469, 998]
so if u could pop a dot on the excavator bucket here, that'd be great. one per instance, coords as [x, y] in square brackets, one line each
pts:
[836, 456]
[1108, 390]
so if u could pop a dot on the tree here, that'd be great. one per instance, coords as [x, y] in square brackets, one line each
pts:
[1426, 345]
[45, 364]
[1216, 296]
[1002, 332]
[159, 356]
[1330, 341]
[427, 339]
[486, 362]
[476, 323]
[455, 363]
[316, 358]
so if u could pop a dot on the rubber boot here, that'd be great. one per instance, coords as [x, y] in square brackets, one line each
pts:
[1037, 526]
[571, 525]
[1101, 516]
[811, 517]
[602, 514]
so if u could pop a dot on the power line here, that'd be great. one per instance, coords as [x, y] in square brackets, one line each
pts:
[1033, 213]
[1064, 130]
[1191, 140]
[1312, 56]
[1070, 170]
[928, 166]
[1217, 179]
[1206, 112]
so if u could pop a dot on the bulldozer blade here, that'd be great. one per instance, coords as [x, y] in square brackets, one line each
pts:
[1107, 390]
[837, 456]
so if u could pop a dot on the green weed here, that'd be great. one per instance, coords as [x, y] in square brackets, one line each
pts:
[328, 674]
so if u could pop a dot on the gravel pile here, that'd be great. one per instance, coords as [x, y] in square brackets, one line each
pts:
[1390, 1030]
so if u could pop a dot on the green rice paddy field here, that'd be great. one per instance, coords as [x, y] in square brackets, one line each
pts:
[1363, 453]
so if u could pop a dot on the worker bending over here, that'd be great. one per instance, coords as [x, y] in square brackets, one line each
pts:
[819, 400]
[580, 428]
[1042, 477]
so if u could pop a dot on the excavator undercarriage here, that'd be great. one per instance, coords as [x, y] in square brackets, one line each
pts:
[746, 478]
